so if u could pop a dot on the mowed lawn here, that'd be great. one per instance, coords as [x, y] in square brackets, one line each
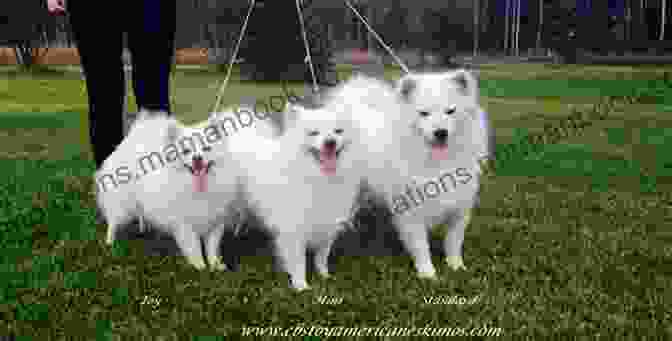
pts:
[573, 239]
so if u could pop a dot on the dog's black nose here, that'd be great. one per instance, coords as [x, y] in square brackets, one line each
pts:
[198, 158]
[441, 134]
[330, 144]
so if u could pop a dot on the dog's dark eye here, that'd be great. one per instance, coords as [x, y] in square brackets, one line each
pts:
[207, 148]
[186, 151]
[313, 133]
[424, 113]
[450, 111]
[338, 131]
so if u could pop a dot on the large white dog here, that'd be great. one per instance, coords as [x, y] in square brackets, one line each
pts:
[426, 137]
[303, 182]
[180, 179]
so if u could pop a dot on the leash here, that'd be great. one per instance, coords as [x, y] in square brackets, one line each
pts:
[380, 40]
[234, 56]
[309, 58]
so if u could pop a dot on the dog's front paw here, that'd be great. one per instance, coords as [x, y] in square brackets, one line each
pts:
[110, 235]
[199, 265]
[218, 265]
[301, 286]
[430, 275]
[455, 263]
[324, 274]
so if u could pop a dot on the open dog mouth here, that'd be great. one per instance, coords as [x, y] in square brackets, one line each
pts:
[439, 150]
[327, 158]
[199, 168]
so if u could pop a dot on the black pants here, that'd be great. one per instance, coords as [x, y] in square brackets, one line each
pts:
[98, 31]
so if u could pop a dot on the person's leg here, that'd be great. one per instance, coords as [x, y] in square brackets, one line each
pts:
[151, 40]
[100, 53]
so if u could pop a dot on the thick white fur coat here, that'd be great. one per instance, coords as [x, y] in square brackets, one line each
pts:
[400, 163]
[165, 196]
[300, 205]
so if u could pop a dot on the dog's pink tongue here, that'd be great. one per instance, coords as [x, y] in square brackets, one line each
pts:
[200, 176]
[328, 161]
[200, 180]
[439, 152]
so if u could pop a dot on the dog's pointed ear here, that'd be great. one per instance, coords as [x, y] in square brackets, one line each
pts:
[214, 116]
[286, 118]
[406, 86]
[277, 119]
[466, 82]
[289, 105]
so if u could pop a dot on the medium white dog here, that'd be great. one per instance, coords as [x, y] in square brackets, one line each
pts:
[303, 182]
[427, 136]
[181, 179]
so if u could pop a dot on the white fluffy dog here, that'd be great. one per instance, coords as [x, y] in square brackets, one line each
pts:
[427, 136]
[181, 179]
[303, 182]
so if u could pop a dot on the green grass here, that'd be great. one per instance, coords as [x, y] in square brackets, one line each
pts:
[571, 239]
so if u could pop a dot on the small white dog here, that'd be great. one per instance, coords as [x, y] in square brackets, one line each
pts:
[303, 182]
[427, 137]
[181, 179]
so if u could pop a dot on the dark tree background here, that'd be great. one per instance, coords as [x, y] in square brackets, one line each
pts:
[275, 51]
[23, 26]
[393, 27]
[560, 30]
[273, 48]
[439, 34]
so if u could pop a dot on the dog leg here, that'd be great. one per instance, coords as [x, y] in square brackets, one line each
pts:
[322, 258]
[114, 223]
[414, 237]
[214, 258]
[190, 245]
[292, 254]
[111, 232]
[454, 239]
